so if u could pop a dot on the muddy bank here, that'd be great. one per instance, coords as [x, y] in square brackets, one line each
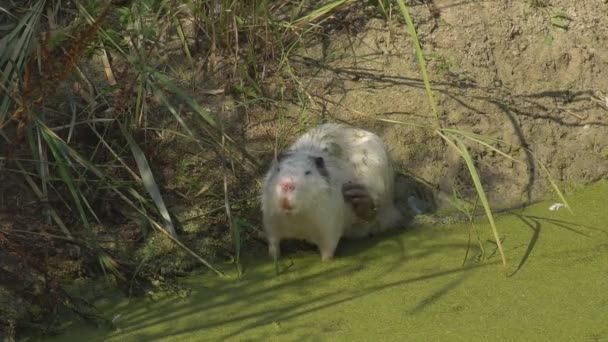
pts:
[530, 76]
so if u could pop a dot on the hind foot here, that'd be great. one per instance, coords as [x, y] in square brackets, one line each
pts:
[390, 218]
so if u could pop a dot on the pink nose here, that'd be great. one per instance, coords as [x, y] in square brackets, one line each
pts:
[287, 185]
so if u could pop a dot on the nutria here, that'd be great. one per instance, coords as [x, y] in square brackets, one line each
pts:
[335, 181]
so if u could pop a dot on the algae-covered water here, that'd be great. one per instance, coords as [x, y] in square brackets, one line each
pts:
[409, 285]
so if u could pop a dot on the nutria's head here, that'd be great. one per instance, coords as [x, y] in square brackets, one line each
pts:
[296, 181]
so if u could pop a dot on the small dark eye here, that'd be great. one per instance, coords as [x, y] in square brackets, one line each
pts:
[278, 169]
[307, 172]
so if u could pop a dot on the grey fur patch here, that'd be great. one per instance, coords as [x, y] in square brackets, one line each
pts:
[320, 165]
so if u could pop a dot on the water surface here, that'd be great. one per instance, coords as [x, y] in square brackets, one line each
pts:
[410, 284]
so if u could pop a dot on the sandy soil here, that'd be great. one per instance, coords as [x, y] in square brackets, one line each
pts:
[504, 69]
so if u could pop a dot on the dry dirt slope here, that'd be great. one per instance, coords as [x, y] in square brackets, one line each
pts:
[531, 76]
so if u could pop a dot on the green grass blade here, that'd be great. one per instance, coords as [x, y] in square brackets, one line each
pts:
[166, 83]
[421, 61]
[553, 184]
[14, 51]
[140, 100]
[321, 11]
[106, 262]
[203, 113]
[163, 99]
[41, 194]
[481, 140]
[236, 228]
[63, 169]
[148, 180]
[464, 152]
[117, 157]
[43, 198]
[182, 37]
[82, 11]
[476, 136]
[406, 123]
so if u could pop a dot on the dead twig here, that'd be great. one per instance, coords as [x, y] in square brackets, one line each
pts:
[575, 115]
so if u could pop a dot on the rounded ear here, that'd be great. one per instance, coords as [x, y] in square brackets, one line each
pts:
[282, 155]
[320, 162]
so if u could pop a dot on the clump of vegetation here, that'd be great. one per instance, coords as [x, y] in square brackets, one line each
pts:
[92, 91]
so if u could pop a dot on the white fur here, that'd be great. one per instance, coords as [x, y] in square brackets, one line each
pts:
[320, 214]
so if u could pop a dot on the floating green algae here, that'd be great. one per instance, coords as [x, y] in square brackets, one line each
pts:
[408, 285]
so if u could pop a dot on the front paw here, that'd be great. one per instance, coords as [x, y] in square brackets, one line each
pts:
[274, 249]
[363, 204]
